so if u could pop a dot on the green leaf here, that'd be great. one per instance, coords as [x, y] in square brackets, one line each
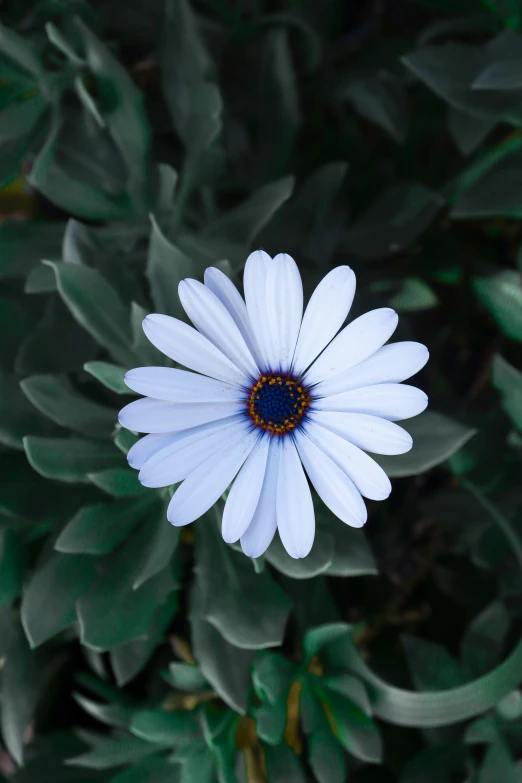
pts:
[432, 667]
[326, 758]
[317, 562]
[351, 687]
[394, 221]
[186, 677]
[451, 69]
[96, 307]
[11, 565]
[167, 266]
[316, 638]
[249, 610]
[110, 714]
[114, 753]
[24, 243]
[121, 105]
[186, 64]
[351, 554]
[492, 187]
[277, 105]
[55, 399]
[226, 668]
[165, 728]
[501, 295]
[98, 529]
[435, 439]
[21, 51]
[17, 416]
[22, 682]
[113, 612]
[129, 659]
[244, 222]
[70, 459]
[155, 770]
[110, 375]
[503, 75]
[468, 131]
[119, 482]
[283, 765]
[356, 732]
[159, 548]
[482, 644]
[48, 604]
[381, 99]
[497, 765]
[414, 295]
[272, 676]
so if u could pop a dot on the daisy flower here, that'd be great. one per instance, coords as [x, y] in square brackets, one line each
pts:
[274, 396]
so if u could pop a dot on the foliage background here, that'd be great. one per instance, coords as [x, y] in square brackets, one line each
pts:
[139, 143]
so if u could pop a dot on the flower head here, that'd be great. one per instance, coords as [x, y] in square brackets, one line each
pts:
[273, 393]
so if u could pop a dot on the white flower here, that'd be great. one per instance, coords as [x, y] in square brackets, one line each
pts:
[278, 391]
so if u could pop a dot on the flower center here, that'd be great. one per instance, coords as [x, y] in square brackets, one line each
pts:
[278, 403]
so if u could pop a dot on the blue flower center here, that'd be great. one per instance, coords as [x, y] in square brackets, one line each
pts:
[278, 403]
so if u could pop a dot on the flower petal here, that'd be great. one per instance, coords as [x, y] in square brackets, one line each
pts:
[284, 296]
[294, 506]
[206, 484]
[254, 282]
[191, 447]
[390, 364]
[261, 530]
[150, 415]
[332, 485]
[392, 401]
[165, 383]
[227, 293]
[360, 339]
[212, 319]
[188, 347]
[326, 312]
[367, 432]
[369, 478]
[244, 495]
[147, 446]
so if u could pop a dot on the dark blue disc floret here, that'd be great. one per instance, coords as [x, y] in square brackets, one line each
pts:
[277, 403]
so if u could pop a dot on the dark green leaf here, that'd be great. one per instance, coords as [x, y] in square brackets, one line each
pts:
[48, 604]
[17, 416]
[484, 639]
[249, 610]
[115, 753]
[11, 565]
[55, 399]
[165, 728]
[119, 482]
[497, 765]
[167, 265]
[356, 732]
[186, 677]
[110, 375]
[326, 758]
[283, 764]
[319, 560]
[98, 529]
[96, 307]
[432, 667]
[501, 295]
[71, 459]
[435, 439]
[382, 100]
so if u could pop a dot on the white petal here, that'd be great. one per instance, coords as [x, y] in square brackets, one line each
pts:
[332, 485]
[262, 528]
[188, 347]
[150, 415]
[165, 383]
[326, 312]
[369, 478]
[392, 401]
[360, 339]
[284, 297]
[295, 509]
[191, 447]
[390, 364]
[254, 283]
[212, 319]
[146, 447]
[368, 432]
[244, 495]
[227, 293]
[207, 483]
